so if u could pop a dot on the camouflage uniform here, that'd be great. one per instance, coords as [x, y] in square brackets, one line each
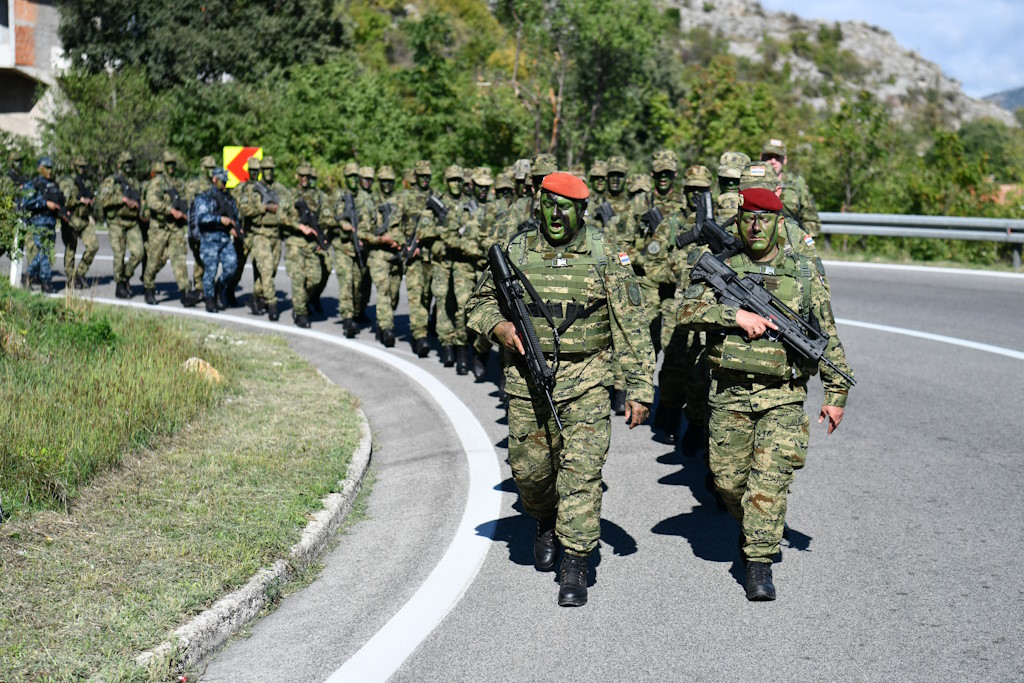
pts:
[303, 257]
[559, 474]
[468, 250]
[78, 192]
[620, 203]
[796, 196]
[193, 188]
[215, 247]
[730, 166]
[166, 232]
[386, 274]
[242, 194]
[265, 225]
[759, 431]
[413, 204]
[42, 222]
[443, 272]
[123, 223]
[346, 265]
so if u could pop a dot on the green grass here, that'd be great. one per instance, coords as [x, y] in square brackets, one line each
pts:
[81, 386]
[160, 537]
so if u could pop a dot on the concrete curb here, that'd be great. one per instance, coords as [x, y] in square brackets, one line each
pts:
[197, 639]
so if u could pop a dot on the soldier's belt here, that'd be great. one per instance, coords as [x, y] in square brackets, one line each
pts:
[572, 310]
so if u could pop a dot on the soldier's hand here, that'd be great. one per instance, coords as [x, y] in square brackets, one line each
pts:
[51, 205]
[306, 230]
[87, 201]
[754, 325]
[636, 413]
[271, 208]
[834, 415]
[132, 204]
[227, 221]
[505, 333]
[387, 239]
[178, 215]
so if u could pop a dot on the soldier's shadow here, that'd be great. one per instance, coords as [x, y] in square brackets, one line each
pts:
[517, 533]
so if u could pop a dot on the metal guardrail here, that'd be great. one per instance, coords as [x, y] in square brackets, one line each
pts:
[928, 227]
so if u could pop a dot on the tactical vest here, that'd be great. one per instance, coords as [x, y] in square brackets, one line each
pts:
[572, 287]
[730, 353]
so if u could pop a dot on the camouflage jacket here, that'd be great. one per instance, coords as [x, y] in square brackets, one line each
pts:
[699, 308]
[110, 198]
[616, 285]
[799, 204]
[159, 199]
[477, 222]
[651, 252]
[74, 188]
[440, 235]
[254, 210]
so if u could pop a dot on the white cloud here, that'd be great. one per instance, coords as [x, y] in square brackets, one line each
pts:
[975, 42]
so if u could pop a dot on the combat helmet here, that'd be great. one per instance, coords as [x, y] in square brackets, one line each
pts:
[731, 164]
[453, 172]
[351, 168]
[267, 162]
[304, 168]
[599, 169]
[521, 169]
[617, 164]
[482, 176]
[385, 172]
[422, 167]
[504, 182]
[366, 172]
[639, 182]
[664, 160]
[543, 165]
[697, 176]
[759, 174]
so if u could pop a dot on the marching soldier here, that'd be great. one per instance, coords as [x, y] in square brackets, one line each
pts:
[122, 207]
[81, 199]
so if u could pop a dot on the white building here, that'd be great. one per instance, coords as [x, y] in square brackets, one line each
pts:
[30, 53]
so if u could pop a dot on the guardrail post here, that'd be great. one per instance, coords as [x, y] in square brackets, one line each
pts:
[1016, 255]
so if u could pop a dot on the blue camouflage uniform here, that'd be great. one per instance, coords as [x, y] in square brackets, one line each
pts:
[215, 244]
[43, 224]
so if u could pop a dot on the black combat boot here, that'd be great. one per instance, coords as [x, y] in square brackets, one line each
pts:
[121, 291]
[448, 355]
[619, 401]
[80, 282]
[150, 297]
[502, 394]
[211, 306]
[462, 359]
[351, 328]
[387, 338]
[695, 439]
[189, 298]
[272, 313]
[46, 287]
[302, 321]
[421, 347]
[572, 581]
[257, 305]
[667, 418]
[480, 365]
[229, 296]
[221, 297]
[759, 582]
[545, 545]
[314, 304]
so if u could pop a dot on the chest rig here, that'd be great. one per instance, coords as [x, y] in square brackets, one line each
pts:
[728, 351]
[568, 305]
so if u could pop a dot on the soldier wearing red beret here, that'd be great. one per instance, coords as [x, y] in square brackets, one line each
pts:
[585, 305]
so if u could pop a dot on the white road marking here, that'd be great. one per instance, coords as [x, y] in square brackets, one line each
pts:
[977, 346]
[935, 270]
[385, 652]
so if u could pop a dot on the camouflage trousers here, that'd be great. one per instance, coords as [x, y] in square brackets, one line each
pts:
[752, 457]
[266, 255]
[387, 278]
[560, 473]
[350, 275]
[418, 287]
[464, 277]
[243, 247]
[441, 285]
[71, 234]
[197, 265]
[305, 268]
[683, 379]
[42, 238]
[125, 239]
[216, 249]
[166, 241]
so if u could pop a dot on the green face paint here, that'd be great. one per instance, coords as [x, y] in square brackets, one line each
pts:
[423, 182]
[387, 186]
[505, 193]
[303, 181]
[598, 183]
[759, 231]
[691, 196]
[365, 183]
[559, 218]
[616, 182]
[663, 181]
[169, 168]
[481, 192]
[455, 188]
[352, 182]
[729, 184]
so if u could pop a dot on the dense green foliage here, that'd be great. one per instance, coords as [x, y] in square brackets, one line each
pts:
[386, 81]
[81, 388]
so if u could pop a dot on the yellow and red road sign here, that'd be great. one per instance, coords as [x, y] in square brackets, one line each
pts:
[236, 160]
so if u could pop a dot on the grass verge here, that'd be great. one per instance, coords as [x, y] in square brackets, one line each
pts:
[158, 539]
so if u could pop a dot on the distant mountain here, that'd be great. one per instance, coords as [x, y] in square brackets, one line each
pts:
[857, 55]
[1009, 100]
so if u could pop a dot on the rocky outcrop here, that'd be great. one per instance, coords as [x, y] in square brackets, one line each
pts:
[903, 79]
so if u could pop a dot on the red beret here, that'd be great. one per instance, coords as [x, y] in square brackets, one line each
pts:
[759, 199]
[565, 185]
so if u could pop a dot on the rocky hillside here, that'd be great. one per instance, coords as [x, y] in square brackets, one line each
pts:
[818, 58]
[1010, 100]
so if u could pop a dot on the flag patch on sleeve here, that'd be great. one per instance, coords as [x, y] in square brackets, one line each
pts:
[809, 240]
[624, 258]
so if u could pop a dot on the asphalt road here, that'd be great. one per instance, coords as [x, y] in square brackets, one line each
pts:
[903, 562]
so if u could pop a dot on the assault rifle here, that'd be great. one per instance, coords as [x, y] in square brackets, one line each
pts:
[176, 201]
[385, 211]
[707, 231]
[802, 336]
[652, 219]
[130, 193]
[406, 251]
[439, 210]
[307, 217]
[513, 307]
[605, 214]
[83, 189]
[16, 177]
[52, 193]
[267, 196]
[352, 216]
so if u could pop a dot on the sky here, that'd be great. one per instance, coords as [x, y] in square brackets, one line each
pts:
[977, 42]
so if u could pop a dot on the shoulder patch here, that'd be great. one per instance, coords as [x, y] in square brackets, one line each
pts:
[693, 256]
[634, 294]
[624, 258]
[694, 291]
[820, 266]
[809, 240]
